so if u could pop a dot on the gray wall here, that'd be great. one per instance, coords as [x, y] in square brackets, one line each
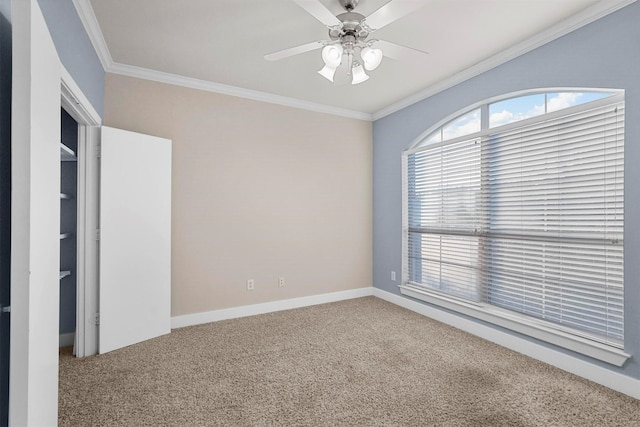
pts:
[75, 49]
[604, 54]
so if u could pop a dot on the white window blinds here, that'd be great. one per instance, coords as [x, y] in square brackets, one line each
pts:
[528, 219]
[445, 218]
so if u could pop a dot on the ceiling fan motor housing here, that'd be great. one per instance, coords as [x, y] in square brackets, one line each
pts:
[351, 27]
[348, 52]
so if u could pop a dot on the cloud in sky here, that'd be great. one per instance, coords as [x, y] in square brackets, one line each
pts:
[513, 110]
[503, 117]
[519, 109]
[563, 100]
[465, 125]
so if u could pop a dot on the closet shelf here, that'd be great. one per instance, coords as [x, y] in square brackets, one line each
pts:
[64, 274]
[67, 154]
[65, 235]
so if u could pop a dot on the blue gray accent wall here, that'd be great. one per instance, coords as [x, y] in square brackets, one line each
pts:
[75, 49]
[5, 203]
[603, 54]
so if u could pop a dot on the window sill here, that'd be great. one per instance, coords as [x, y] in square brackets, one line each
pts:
[497, 317]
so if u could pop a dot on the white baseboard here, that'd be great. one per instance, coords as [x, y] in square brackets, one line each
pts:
[611, 379]
[622, 383]
[66, 340]
[267, 307]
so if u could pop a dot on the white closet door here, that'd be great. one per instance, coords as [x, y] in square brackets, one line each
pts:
[35, 213]
[135, 238]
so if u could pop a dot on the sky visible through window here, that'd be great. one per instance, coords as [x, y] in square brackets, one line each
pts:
[515, 109]
[512, 110]
[524, 107]
[463, 125]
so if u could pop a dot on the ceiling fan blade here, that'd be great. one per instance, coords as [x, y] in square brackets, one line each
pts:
[399, 52]
[293, 51]
[319, 11]
[392, 11]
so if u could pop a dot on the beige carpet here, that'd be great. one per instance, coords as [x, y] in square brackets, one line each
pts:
[362, 362]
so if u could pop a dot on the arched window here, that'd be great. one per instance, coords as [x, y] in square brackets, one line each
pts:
[513, 213]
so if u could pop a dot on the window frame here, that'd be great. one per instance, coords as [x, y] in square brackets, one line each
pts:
[482, 311]
[483, 106]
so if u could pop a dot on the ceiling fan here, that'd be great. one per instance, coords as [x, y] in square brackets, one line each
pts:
[349, 43]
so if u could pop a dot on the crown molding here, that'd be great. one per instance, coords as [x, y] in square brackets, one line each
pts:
[174, 79]
[91, 26]
[89, 21]
[587, 16]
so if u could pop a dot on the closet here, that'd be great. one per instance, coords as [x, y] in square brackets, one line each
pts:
[68, 228]
[132, 308]
[117, 217]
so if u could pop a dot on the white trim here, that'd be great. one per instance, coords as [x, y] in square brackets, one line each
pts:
[81, 239]
[587, 16]
[404, 275]
[87, 246]
[616, 95]
[541, 330]
[533, 329]
[267, 307]
[78, 106]
[92, 28]
[189, 82]
[606, 377]
[66, 340]
[75, 102]
[35, 219]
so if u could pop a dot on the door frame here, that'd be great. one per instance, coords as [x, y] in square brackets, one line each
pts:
[78, 106]
[40, 86]
[35, 215]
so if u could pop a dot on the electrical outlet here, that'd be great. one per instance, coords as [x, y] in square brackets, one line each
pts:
[281, 282]
[250, 284]
[393, 276]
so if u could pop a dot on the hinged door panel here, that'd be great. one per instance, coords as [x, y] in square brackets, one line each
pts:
[135, 238]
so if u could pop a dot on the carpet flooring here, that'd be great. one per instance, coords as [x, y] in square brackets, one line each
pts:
[361, 362]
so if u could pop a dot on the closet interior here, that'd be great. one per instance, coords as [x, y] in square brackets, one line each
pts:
[68, 228]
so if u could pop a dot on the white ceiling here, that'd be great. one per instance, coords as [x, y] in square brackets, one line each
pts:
[224, 41]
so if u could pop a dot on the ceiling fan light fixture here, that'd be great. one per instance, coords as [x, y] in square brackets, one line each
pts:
[359, 75]
[332, 55]
[328, 72]
[371, 58]
[349, 50]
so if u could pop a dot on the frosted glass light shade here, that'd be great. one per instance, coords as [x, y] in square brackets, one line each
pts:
[327, 72]
[371, 58]
[332, 55]
[359, 75]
